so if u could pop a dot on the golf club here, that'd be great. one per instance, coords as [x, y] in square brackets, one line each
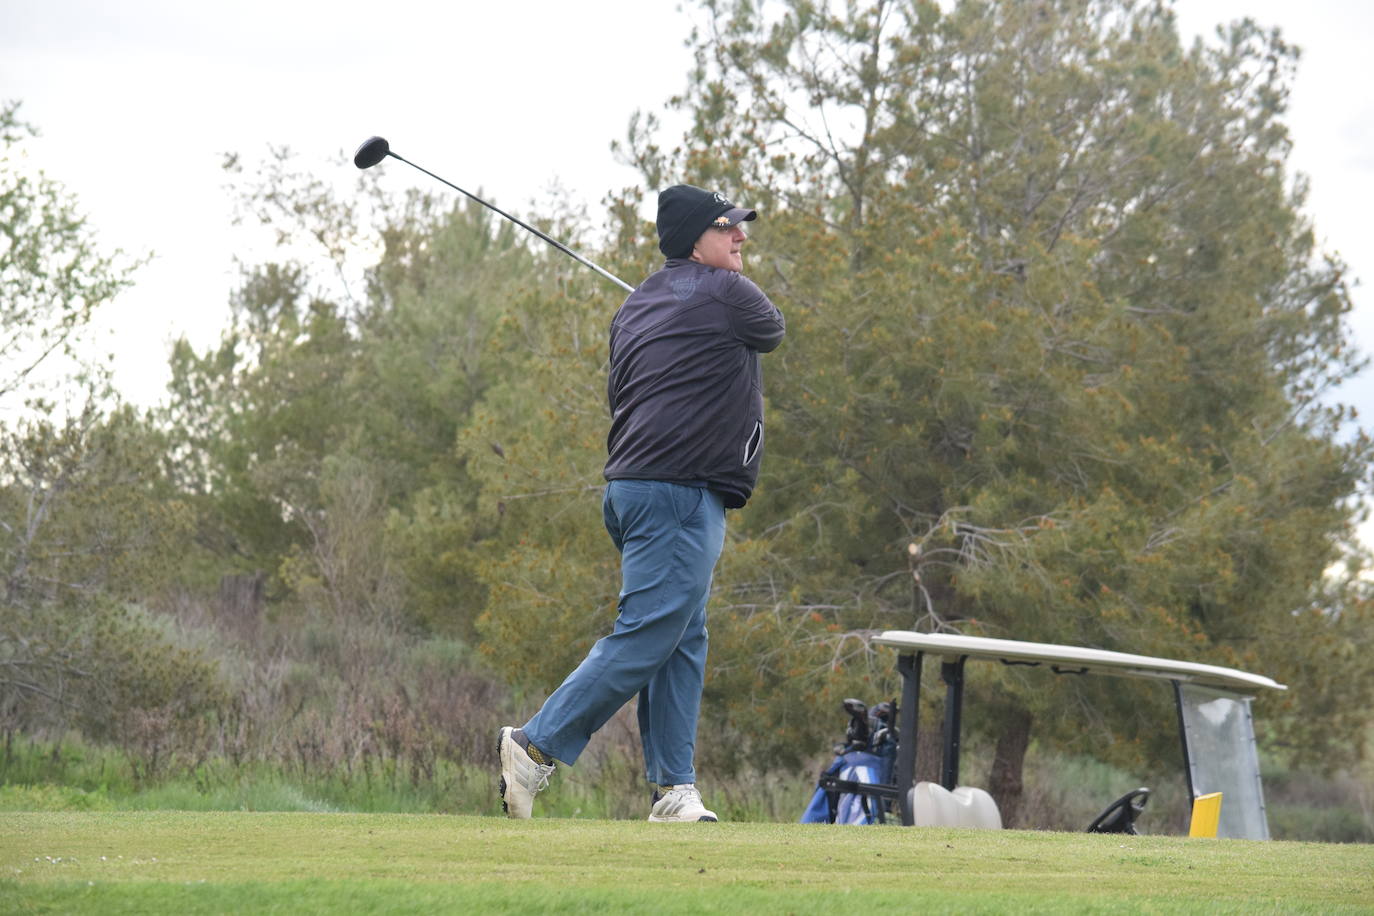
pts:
[856, 736]
[374, 149]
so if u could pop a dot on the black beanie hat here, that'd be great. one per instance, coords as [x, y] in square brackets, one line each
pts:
[685, 212]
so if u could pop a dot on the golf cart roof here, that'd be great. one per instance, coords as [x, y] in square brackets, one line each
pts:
[1075, 659]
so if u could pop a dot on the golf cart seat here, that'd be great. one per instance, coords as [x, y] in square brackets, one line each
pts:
[935, 806]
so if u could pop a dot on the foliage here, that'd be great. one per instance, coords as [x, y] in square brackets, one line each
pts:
[88, 525]
[85, 507]
[549, 568]
[320, 432]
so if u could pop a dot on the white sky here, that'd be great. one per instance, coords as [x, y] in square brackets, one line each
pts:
[138, 99]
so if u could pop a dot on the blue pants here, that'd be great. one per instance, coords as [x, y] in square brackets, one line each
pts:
[669, 537]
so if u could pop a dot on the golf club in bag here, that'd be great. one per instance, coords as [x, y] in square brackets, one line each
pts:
[855, 788]
[374, 149]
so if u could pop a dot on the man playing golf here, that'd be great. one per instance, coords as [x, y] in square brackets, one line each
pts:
[685, 443]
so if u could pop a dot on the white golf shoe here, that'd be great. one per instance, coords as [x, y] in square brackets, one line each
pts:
[679, 804]
[521, 777]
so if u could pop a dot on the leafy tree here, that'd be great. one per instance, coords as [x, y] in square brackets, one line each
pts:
[255, 416]
[88, 525]
[536, 447]
[320, 432]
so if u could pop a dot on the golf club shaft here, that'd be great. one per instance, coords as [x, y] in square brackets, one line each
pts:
[554, 242]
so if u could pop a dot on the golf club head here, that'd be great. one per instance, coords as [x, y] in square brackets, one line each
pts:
[856, 708]
[372, 151]
[856, 735]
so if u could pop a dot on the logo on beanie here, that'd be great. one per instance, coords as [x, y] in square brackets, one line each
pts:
[720, 198]
[722, 221]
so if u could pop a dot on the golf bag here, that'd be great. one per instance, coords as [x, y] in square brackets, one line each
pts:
[856, 787]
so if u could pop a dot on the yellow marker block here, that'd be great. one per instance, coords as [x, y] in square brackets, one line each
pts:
[1206, 815]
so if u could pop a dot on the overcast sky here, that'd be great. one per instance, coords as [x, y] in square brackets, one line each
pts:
[137, 101]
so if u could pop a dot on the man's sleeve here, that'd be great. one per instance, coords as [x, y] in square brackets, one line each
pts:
[755, 320]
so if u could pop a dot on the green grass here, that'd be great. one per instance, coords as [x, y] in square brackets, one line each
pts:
[220, 862]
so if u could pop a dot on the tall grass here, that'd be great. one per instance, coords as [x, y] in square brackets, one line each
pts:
[73, 775]
[337, 715]
[1063, 793]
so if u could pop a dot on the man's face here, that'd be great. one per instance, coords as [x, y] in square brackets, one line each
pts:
[720, 248]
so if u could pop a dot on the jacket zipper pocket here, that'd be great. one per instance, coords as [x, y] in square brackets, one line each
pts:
[755, 443]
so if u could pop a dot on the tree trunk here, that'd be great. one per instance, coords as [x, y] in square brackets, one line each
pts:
[1007, 762]
[929, 752]
[241, 600]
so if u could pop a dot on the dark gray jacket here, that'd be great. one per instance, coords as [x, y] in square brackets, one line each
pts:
[685, 386]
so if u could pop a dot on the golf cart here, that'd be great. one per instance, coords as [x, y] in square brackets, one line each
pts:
[1216, 730]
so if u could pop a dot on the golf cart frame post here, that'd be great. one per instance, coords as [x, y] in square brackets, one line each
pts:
[1215, 724]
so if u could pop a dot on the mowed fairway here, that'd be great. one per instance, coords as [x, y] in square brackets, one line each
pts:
[316, 863]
